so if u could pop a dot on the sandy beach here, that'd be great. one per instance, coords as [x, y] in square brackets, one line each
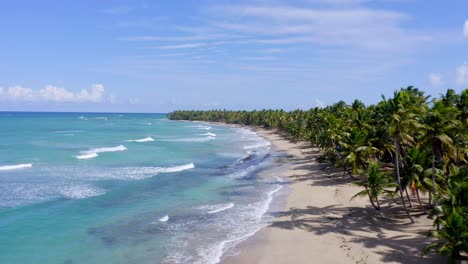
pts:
[320, 224]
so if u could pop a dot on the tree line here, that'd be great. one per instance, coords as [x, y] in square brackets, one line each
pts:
[407, 142]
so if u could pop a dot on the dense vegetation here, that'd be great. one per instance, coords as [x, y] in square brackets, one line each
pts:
[406, 142]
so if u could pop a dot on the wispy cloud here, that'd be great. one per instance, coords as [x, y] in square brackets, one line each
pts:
[350, 27]
[465, 29]
[118, 10]
[53, 94]
[184, 46]
[462, 74]
[435, 79]
[141, 22]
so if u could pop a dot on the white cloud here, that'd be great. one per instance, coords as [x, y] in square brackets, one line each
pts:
[53, 94]
[353, 26]
[465, 29]
[462, 74]
[184, 46]
[435, 79]
[19, 93]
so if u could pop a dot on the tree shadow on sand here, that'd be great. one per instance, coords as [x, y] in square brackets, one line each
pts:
[363, 226]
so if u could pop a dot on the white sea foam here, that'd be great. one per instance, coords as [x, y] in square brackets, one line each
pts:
[149, 124]
[203, 127]
[263, 208]
[264, 144]
[82, 118]
[164, 218]
[242, 173]
[214, 253]
[138, 173]
[204, 139]
[175, 168]
[81, 191]
[87, 156]
[101, 118]
[68, 131]
[107, 149]
[15, 167]
[278, 179]
[253, 214]
[147, 139]
[213, 209]
[208, 134]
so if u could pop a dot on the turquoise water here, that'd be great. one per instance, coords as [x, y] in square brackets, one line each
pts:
[128, 188]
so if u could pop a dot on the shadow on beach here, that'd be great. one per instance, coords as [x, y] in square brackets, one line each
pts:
[388, 234]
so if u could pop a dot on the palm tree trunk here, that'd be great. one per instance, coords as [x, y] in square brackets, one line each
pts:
[419, 199]
[372, 202]
[397, 166]
[378, 203]
[409, 199]
[434, 190]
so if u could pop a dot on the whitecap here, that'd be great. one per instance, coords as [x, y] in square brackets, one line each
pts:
[15, 167]
[147, 139]
[264, 144]
[204, 139]
[202, 127]
[175, 168]
[164, 218]
[137, 173]
[208, 134]
[101, 118]
[87, 156]
[107, 149]
[213, 209]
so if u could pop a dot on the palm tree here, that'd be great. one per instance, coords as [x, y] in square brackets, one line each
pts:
[357, 150]
[438, 122]
[414, 171]
[374, 184]
[402, 122]
[452, 215]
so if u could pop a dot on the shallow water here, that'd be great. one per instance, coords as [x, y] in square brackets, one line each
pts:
[128, 188]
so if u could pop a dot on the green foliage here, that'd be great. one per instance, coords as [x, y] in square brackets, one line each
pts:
[375, 183]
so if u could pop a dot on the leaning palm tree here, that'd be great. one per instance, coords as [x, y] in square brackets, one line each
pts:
[402, 123]
[375, 183]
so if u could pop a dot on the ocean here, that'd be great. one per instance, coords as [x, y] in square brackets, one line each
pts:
[130, 188]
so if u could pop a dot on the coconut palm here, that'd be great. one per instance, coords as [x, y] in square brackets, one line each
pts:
[438, 122]
[402, 123]
[375, 183]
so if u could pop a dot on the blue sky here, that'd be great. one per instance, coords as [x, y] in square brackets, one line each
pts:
[157, 56]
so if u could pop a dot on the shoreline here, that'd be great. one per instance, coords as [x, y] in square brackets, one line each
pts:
[319, 223]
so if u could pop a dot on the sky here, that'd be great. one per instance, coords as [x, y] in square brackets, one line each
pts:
[158, 56]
